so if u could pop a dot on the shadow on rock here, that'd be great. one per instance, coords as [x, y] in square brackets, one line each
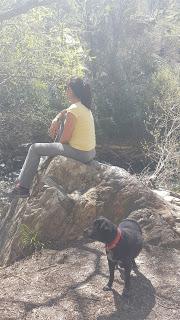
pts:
[138, 305]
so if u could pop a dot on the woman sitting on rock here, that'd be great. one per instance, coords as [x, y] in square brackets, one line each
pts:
[73, 132]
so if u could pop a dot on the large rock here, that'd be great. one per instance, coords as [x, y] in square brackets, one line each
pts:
[68, 195]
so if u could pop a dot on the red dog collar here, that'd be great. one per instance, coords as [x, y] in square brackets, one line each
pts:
[114, 243]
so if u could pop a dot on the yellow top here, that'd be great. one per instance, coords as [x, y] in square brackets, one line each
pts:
[83, 137]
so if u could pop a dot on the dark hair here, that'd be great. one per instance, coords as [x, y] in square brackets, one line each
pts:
[81, 90]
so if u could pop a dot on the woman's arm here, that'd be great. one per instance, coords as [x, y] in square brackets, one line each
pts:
[56, 123]
[69, 126]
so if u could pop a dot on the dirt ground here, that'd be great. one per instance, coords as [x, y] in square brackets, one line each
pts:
[67, 285]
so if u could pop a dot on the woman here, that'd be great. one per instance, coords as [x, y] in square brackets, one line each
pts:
[75, 139]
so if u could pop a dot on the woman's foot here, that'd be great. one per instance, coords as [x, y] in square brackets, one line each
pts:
[19, 192]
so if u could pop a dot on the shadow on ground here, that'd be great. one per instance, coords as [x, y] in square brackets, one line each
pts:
[138, 305]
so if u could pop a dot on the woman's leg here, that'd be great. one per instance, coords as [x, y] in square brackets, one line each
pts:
[37, 150]
[32, 160]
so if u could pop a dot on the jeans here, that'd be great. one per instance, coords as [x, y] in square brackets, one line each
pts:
[37, 150]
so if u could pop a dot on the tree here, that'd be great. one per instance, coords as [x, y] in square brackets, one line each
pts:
[39, 53]
[23, 6]
[163, 125]
[119, 44]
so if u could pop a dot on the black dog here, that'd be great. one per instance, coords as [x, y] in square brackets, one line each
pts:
[123, 244]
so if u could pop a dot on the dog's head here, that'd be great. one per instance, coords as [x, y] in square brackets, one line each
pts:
[102, 230]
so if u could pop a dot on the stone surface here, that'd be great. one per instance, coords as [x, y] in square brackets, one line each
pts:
[67, 195]
[67, 285]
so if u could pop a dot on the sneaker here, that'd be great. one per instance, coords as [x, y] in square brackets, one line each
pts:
[19, 192]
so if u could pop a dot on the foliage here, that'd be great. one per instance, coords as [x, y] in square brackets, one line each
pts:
[39, 53]
[124, 39]
[29, 238]
[163, 125]
[127, 48]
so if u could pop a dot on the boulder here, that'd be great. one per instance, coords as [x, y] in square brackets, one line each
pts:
[67, 195]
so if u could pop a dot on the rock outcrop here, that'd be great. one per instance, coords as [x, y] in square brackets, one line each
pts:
[67, 195]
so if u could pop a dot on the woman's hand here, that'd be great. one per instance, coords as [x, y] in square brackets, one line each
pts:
[54, 128]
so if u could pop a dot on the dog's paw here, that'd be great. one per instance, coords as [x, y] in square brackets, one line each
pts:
[107, 288]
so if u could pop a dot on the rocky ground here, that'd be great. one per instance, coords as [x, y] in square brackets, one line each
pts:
[67, 285]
